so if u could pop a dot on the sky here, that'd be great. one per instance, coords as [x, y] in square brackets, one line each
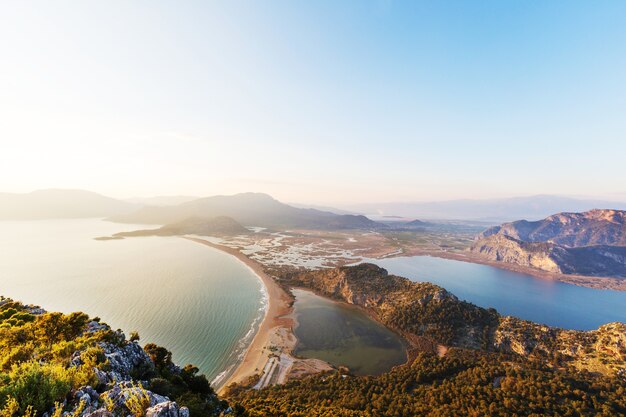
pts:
[321, 101]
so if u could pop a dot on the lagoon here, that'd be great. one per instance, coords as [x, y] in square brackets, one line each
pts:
[343, 335]
[544, 301]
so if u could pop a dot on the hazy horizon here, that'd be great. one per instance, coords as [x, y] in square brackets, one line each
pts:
[317, 103]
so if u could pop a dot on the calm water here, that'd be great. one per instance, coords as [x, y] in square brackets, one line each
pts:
[344, 336]
[197, 301]
[512, 293]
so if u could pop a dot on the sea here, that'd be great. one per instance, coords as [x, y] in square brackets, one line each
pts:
[202, 304]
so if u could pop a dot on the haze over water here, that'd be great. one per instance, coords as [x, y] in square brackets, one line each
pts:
[197, 301]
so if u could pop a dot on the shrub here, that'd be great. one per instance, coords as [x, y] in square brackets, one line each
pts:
[37, 385]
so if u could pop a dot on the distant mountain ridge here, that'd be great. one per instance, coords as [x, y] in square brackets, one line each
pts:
[161, 200]
[60, 204]
[590, 243]
[249, 209]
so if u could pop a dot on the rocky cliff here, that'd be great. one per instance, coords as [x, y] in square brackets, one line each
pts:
[594, 227]
[591, 243]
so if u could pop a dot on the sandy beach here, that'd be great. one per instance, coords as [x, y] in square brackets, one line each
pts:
[269, 353]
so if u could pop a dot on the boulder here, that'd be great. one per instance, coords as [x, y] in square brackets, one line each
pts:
[167, 409]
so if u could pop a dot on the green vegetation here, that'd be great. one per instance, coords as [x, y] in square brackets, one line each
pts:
[429, 315]
[463, 383]
[420, 309]
[495, 366]
[46, 357]
[35, 353]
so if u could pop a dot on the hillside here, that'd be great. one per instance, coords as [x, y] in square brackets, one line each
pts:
[595, 227]
[491, 365]
[249, 209]
[53, 363]
[60, 204]
[591, 243]
[428, 312]
[192, 226]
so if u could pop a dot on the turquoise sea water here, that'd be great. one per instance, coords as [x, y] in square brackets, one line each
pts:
[202, 304]
[511, 293]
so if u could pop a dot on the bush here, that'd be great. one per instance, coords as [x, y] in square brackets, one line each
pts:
[38, 385]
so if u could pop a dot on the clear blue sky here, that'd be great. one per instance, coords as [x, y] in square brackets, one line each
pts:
[320, 101]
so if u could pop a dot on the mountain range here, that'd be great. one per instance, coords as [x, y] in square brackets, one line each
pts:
[249, 209]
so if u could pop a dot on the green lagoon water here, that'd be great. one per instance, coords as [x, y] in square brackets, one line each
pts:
[202, 304]
[343, 335]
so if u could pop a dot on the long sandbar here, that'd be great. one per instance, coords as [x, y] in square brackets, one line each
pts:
[275, 328]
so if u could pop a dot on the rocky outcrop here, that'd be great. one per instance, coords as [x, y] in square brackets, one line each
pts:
[122, 399]
[167, 409]
[591, 243]
[572, 230]
[504, 248]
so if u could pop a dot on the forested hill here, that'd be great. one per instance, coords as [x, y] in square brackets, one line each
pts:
[497, 366]
[429, 315]
[71, 365]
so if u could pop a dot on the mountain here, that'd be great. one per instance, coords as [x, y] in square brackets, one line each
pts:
[249, 209]
[163, 200]
[494, 210]
[590, 243]
[192, 226]
[594, 227]
[322, 208]
[60, 204]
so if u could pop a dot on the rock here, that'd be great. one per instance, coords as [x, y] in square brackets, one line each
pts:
[100, 412]
[122, 391]
[167, 409]
[85, 398]
[123, 361]
[94, 326]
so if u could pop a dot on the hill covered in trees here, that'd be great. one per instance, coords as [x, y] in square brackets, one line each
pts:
[462, 383]
[466, 360]
[428, 315]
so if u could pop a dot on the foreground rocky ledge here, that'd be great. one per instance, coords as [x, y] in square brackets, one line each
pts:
[54, 365]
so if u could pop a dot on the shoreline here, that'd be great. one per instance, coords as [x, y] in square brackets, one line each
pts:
[268, 359]
[269, 354]
[598, 283]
